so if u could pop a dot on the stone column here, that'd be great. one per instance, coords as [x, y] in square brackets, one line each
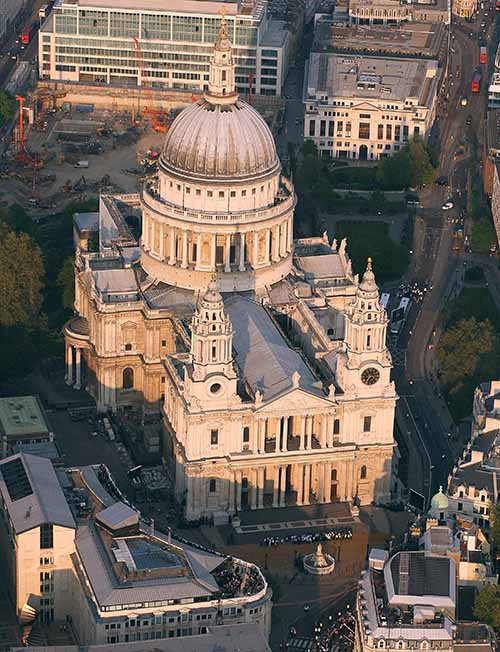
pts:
[261, 435]
[302, 432]
[213, 251]
[78, 382]
[227, 267]
[309, 432]
[329, 431]
[162, 241]
[232, 482]
[284, 445]
[253, 489]
[198, 251]
[255, 249]
[276, 243]
[268, 246]
[184, 249]
[242, 252]
[276, 481]
[239, 481]
[323, 431]
[300, 485]
[307, 484]
[321, 482]
[282, 232]
[283, 487]
[171, 258]
[328, 482]
[261, 486]
[69, 364]
[289, 228]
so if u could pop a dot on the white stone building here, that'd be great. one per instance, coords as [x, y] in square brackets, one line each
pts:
[275, 381]
[361, 107]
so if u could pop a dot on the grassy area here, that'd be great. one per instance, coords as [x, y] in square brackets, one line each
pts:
[482, 236]
[364, 239]
[356, 178]
[477, 303]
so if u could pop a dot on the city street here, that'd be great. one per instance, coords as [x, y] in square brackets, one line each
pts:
[422, 413]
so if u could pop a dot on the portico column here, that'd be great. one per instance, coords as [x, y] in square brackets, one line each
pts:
[303, 422]
[322, 439]
[239, 482]
[283, 487]
[284, 445]
[255, 249]
[171, 259]
[78, 368]
[253, 489]
[329, 431]
[309, 431]
[242, 252]
[276, 243]
[261, 485]
[227, 267]
[213, 249]
[289, 234]
[232, 482]
[321, 482]
[276, 480]
[261, 436]
[307, 483]
[162, 242]
[69, 365]
[328, 482]
[300, 485]
[184, 249]
[198, 250]
[268, 245]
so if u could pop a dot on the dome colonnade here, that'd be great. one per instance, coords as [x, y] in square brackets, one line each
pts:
[219, 202]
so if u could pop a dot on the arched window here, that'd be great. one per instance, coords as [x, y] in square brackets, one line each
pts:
[128, 378]
[362, 473]
[212, 486]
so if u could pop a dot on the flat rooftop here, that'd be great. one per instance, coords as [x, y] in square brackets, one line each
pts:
[407, 39]
[21, 416]
[370, 78]
[199, 7]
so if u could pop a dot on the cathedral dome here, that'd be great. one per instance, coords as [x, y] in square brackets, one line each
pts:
[440, 501]
[220, 141]
[220, 136]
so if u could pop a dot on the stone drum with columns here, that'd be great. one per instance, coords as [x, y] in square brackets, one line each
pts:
[266, 356]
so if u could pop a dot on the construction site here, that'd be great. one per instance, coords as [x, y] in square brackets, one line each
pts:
[60, 149]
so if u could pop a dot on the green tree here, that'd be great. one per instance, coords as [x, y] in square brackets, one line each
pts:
[17, 352]
[482, 236]
[461, 349]
[8, 106]
[21, 279]
[66, 281]
[495, 527]
[487, 606]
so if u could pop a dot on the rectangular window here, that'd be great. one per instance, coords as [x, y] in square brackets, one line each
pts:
[380, 132]
[416, 131]
[367, 424]
[214, 437]
[397, 133]
[364, 130]
[322, 128]
[46, 535]
[388, 131]
[330, 127]
[340, 127]
[336, 426]
[348, 128]
[312, 127]
[365, 116]
[246, 435]
[405, 132]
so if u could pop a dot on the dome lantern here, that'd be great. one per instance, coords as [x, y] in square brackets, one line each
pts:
[221, 83]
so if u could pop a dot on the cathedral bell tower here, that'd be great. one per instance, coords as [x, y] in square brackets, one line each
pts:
[366, 362]
[213, 376]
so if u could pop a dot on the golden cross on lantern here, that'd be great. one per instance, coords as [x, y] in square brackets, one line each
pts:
[223, 26]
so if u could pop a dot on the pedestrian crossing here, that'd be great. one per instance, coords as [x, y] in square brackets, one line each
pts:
[300, 644]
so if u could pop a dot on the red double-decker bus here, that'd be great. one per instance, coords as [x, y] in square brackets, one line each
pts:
[27, 34]
[476, 81]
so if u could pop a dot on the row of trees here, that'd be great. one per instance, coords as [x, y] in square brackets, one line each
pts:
[8, 106]
[36, 287]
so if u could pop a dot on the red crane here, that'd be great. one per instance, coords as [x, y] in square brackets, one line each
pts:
[158, 117]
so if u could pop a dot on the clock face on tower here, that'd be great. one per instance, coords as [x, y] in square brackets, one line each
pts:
[370, 376]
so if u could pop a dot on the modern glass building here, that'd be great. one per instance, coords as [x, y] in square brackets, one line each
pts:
[161, 44]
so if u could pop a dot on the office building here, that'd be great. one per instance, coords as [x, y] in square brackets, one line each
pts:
[72, 551]
[23, 422]
[368, 107]
[162, 47]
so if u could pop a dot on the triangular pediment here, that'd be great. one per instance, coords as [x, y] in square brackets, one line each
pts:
[365, 106]
[294, 401]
